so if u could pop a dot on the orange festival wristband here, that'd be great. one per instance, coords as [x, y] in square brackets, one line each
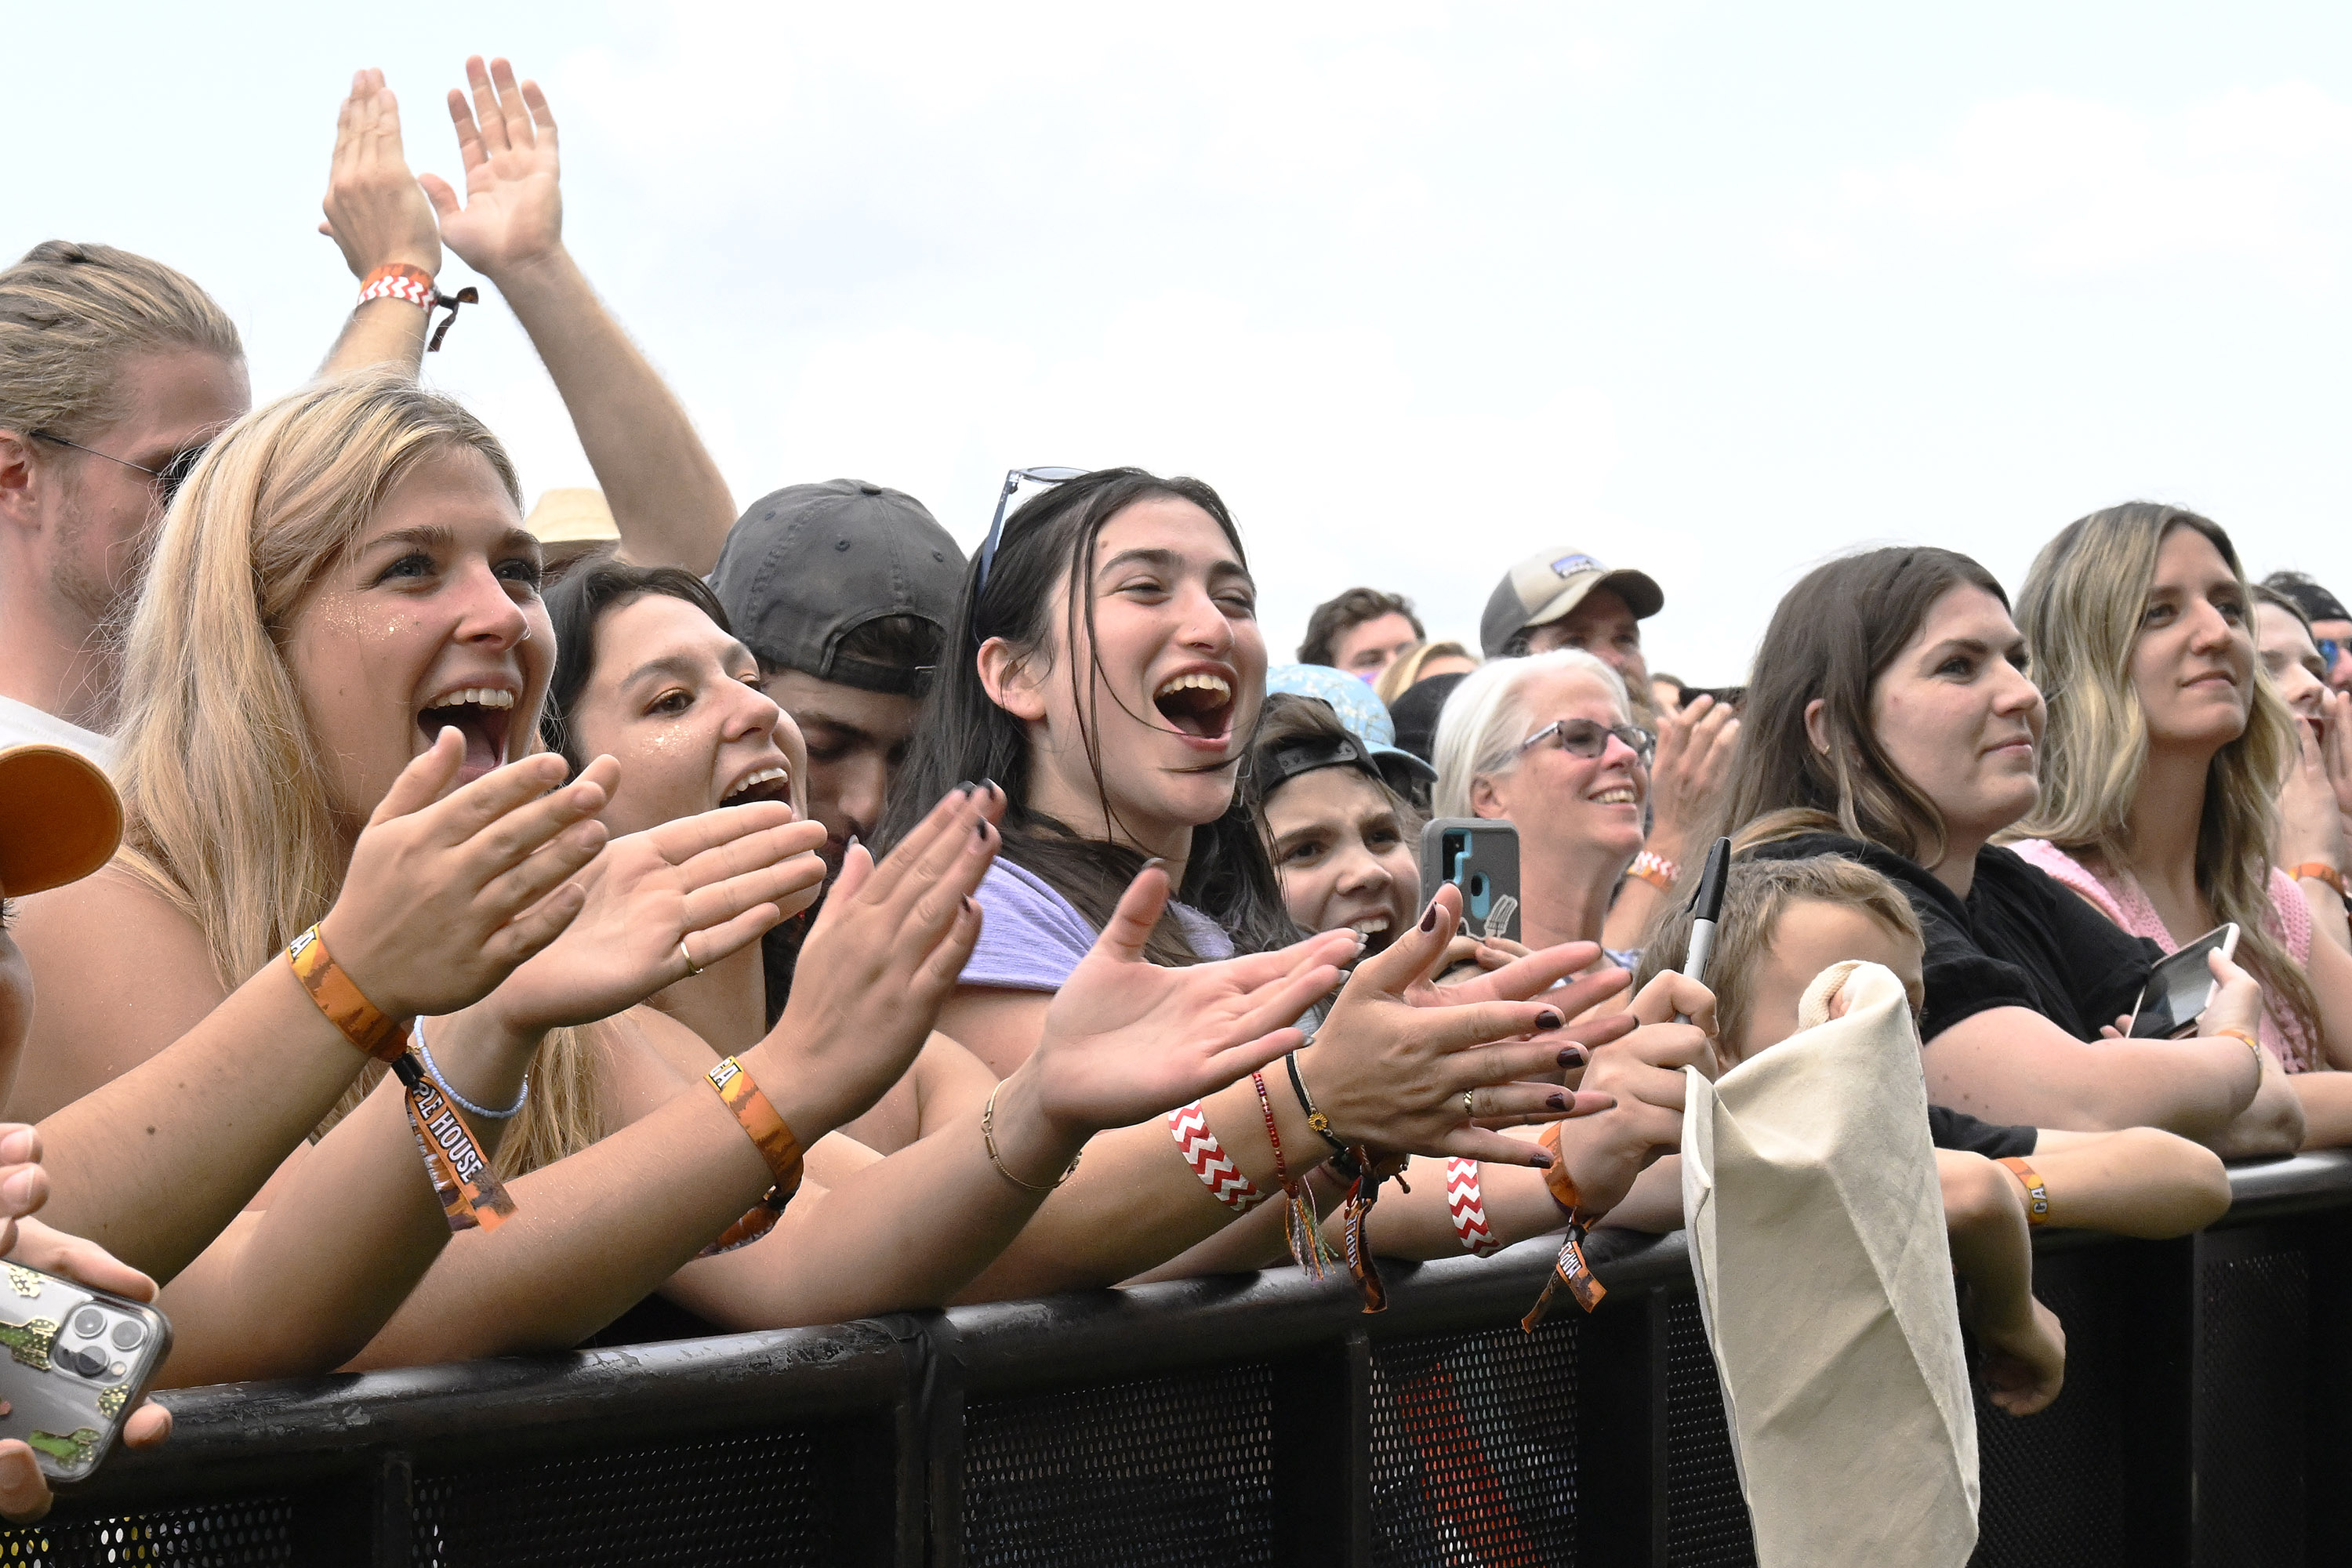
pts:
[754, 1113]
[340, 998]
[1568, 1270]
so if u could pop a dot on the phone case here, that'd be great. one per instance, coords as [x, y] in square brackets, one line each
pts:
[1488, 874]
[79, 1361]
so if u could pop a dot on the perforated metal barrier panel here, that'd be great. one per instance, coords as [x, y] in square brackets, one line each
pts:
[253, 1534]
[2206, 1422]
[1160, 1472]
[1707, 1518]
[2056, 1490]
[2253, 1331]
[1474, 1448]
[754, 1498]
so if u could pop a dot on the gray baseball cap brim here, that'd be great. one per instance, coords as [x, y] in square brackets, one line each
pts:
[1535, 591]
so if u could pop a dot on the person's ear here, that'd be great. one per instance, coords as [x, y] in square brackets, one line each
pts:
[1817, 725]
[1485, 800]
[21, 480]
[1005, 676]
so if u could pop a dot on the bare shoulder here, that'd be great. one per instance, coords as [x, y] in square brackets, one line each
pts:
[117, 974]
[649, 1058]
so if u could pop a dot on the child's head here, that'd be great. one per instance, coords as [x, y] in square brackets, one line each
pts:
[1783, 923]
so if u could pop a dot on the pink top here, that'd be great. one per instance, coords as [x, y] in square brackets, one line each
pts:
[2127, 904]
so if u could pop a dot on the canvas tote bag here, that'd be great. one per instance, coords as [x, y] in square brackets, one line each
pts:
[1817, 1235]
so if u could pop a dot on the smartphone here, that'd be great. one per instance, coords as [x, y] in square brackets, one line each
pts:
[1725, 696]
[1482, 859]
[2180, 987]
[78, 1362]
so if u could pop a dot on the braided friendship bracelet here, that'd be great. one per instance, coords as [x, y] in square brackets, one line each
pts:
[415, 285]
[432, 1071]
[1466, 1203]
[2037, 1193]
[1210, 1162]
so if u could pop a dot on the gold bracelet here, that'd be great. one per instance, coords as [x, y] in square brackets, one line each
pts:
[988, 1136]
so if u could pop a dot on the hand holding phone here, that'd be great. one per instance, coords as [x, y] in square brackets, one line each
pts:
[2181, 987]
[1481, 857]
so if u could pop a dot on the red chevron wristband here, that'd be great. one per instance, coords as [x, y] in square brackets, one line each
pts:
[1210, 1162]
[1467, 1203]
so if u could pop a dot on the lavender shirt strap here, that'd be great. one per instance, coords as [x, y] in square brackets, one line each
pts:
[1031, 937]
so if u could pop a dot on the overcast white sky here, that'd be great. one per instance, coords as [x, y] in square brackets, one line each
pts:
[1710, 291]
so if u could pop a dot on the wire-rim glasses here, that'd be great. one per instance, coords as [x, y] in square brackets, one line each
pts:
[996, 524]
[1590, 738]
[168, 478]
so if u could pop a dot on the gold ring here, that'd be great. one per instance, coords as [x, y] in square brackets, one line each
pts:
[692, 968]
[1469, 1104]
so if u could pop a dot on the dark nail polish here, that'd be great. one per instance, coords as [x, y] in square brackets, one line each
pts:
[965, 787]
[1548, 1020]
[1543, 1160]
[1429, 920]
[1571, 1056]
[1558, 1102]
[991, 786]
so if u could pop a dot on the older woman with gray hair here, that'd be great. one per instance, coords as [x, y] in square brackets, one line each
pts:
[1548, 743]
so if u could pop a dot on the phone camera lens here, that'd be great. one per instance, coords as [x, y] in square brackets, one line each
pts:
[128, 1334]
[88, 1324]
[82, 1361]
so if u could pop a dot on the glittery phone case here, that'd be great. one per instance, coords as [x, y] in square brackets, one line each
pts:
[79, 1362]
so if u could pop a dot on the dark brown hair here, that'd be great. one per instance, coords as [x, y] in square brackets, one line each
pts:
[1833, 635]
[1334, 618]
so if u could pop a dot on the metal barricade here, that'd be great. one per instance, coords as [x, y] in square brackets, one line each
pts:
[1265, 1419]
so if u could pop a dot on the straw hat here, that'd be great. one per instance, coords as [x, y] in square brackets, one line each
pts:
[564, 516]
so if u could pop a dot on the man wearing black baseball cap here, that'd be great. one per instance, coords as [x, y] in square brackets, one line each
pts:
[845, 590]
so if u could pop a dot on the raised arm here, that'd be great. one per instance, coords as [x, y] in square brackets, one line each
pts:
[377, 216]
[668, 498]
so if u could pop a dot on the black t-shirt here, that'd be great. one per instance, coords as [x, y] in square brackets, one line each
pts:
[1949, 1129]
[2021, 940]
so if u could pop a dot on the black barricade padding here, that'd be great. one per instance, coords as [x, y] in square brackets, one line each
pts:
[2207, 1419]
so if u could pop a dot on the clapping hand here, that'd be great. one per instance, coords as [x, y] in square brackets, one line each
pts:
[513, 213]
[376, 212]
[1125, 1039]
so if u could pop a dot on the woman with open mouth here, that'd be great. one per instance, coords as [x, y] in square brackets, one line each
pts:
[1109, 675]
[650, 674]
[342, 623]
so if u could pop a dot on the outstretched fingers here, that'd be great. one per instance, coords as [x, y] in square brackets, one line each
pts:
[943, 965]
[522, 937]
[1234, 1063]
[539, 874]
[1411, 955]
[428, 777]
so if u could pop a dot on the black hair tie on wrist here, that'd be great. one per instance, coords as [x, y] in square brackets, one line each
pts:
[468, 295]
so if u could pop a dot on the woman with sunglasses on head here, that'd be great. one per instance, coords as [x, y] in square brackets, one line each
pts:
[2167, 747]
[1113, 674]
[1891, 720]
[650, 674]
[343, 628]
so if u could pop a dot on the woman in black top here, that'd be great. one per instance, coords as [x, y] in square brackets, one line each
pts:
[1891, 720]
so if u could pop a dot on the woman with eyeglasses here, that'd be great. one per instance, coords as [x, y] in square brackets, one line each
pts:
[1110, 677]
[1548, 743]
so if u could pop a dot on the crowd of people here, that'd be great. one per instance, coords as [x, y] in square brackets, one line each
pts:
[786, 919]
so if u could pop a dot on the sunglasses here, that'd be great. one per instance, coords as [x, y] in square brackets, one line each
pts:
[1012, 483]
[1589, 738]
[2330, 650]
[168, 478]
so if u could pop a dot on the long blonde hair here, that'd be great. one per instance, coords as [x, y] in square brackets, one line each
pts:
[2080, 613]
[225, 805]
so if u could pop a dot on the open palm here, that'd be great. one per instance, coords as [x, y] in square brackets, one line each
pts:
[1125, 1039]
[721, 879]
[513, 211]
